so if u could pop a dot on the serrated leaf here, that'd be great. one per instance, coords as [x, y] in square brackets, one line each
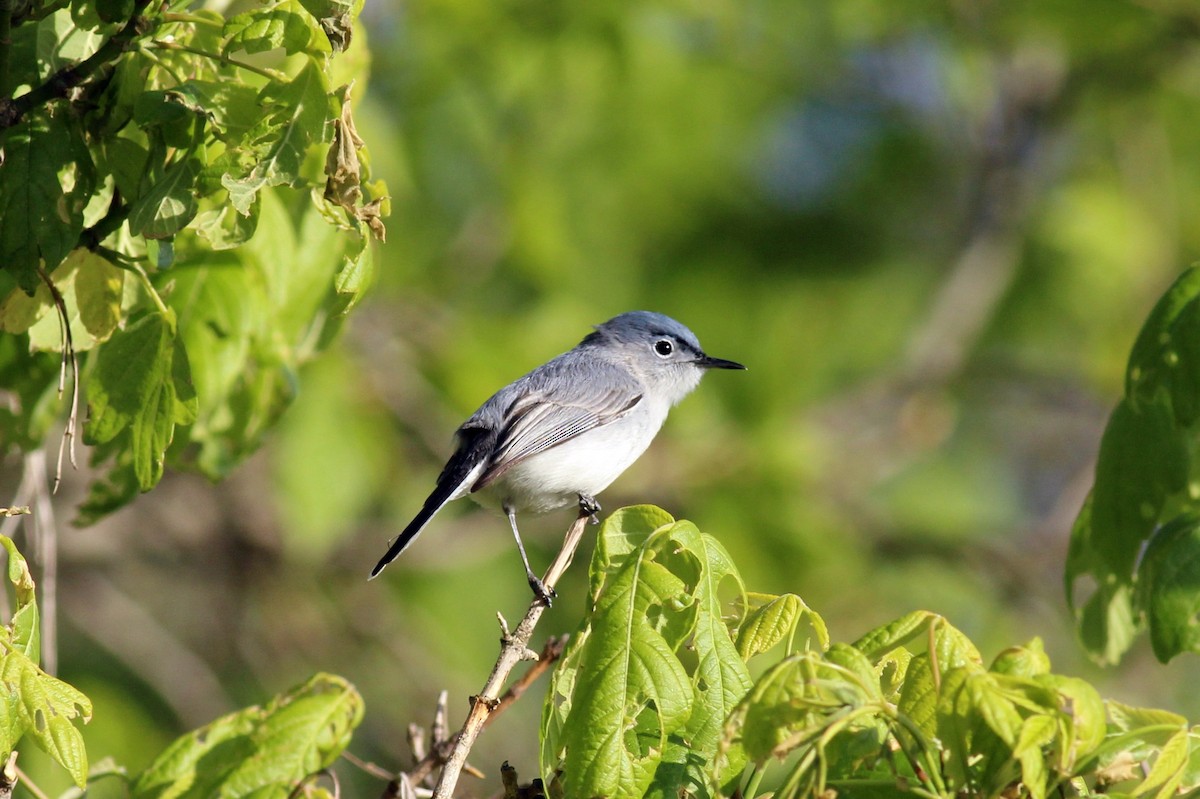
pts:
[286, 24]
[1169, 587]
[24, 628]
[1142, 461]
[632, 692]
[42, 707]
[40, 221]
[231, 106]
[720, 678]
[354, 278]
[132, 391]
[1036, 733]
[98, 290]
[918, 697]
[298, 113]
[1166, 354]
[1168, 766]
[768, 624]
[1127, 717]
[258, 751]
[21, 311]
[336, 18]
[1084, 710]
[622, 532]
[170, 204]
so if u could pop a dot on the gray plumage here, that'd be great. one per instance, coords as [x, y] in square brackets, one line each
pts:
[562, 433]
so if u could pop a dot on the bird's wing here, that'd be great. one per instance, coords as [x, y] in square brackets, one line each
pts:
[555, 406]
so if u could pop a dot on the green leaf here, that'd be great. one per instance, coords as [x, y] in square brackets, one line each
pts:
[133, 390]
[1142, 461]
[170, 204]
[354, 278]
[1029, 660]
[21, 311]
[1166, 355]
[1169, 587]
[258, 751]
[35, 704]
[1036, 733]
[286, 24]
[40, 221]
[1168, 767]
[769, 623]
[918, 697]
[631, 692]
[297, 116]
[623, 532]
[336, 18]
[98, 290]
[24, 628]
[720, 678]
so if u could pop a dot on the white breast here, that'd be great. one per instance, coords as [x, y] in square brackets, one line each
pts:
[586, 464]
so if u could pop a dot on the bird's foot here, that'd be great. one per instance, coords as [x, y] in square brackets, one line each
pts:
[544, 593]
[590, 506]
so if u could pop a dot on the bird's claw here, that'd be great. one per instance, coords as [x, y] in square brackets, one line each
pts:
[541, 591]
[590, 506]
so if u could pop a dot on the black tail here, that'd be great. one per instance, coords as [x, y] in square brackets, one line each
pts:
[436, 500]
[474, 445]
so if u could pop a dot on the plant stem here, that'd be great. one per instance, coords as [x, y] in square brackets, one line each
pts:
[195, 19]
[6, 10]
[224, 59]
[514, 649]
[60, 83]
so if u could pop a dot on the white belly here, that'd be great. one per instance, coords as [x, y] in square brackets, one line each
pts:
[586, 464]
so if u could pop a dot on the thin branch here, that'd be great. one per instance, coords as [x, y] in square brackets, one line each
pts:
[69, 358]
[24, 778]
[220, 57]
[6, 12]
[45, 546]
[59, 85]
[549, 655]
[514, 649]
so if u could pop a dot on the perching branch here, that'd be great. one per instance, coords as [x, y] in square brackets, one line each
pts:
[514, 647]
[62, 82]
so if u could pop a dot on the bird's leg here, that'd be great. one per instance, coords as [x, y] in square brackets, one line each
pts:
[540, 590]
[590, 506]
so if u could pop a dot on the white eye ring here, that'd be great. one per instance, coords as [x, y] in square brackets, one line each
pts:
[664, 347]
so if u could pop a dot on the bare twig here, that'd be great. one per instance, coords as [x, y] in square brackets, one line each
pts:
[8, 776]
[22, 777]
[514, 649]
[67, 442]
[43, 538]
[22, 510]
[549, 655]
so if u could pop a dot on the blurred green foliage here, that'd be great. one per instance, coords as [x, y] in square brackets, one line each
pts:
[931, 230]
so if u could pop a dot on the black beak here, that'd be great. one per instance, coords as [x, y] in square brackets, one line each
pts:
[706, 362]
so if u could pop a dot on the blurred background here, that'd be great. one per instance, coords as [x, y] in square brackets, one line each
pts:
[931, 230]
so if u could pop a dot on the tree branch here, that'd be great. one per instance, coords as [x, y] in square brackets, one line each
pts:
[60, 83]
[514, 647]
[6, 14]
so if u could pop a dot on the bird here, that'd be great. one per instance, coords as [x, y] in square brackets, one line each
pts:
[565, 431]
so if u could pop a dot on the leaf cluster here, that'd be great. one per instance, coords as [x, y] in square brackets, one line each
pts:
[1134, 560]
[654, 697]
[262, 751]
[33, 702]
[184, 200]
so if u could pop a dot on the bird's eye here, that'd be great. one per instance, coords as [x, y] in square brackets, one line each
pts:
[664, 347]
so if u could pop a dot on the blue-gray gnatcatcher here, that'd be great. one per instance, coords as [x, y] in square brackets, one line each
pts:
[562, 433]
